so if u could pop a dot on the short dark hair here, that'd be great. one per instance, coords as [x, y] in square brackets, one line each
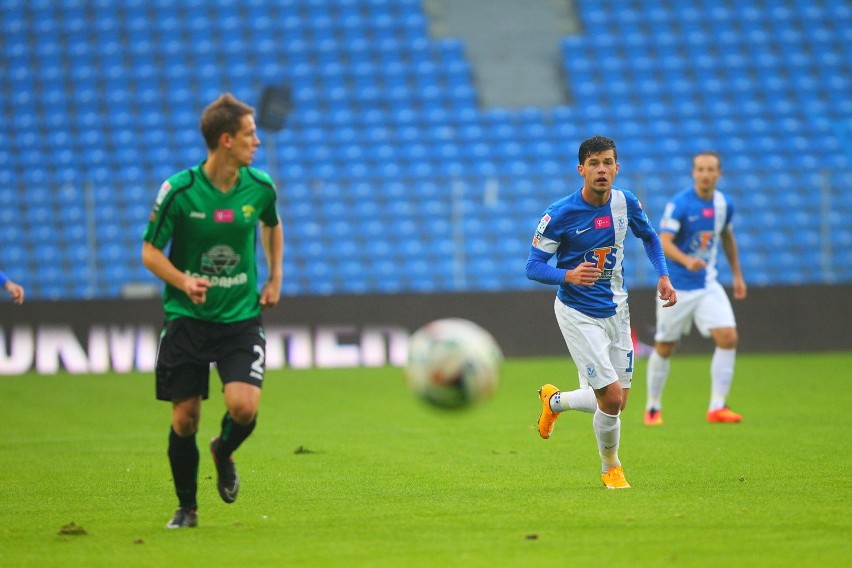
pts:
[596, 145]
[222, 116]
[709, 153]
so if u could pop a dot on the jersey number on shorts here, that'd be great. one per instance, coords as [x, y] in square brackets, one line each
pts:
[257, 365]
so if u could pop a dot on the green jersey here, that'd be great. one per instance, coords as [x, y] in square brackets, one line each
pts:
[213, 235]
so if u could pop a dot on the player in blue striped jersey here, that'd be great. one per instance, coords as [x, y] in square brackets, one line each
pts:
[695, 221]
[586, 232]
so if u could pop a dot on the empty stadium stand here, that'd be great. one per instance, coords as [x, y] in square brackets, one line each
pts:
[392, 177]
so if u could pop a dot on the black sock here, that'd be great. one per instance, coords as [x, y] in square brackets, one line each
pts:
[183, 457]
[233, 434]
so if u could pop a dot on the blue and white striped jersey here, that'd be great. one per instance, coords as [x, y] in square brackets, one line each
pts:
[697, 225]
[576, 231]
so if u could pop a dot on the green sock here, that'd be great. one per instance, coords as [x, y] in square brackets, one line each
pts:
[233, 434]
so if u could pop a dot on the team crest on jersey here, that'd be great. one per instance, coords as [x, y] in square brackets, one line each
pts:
[248, 211]
[220, 259]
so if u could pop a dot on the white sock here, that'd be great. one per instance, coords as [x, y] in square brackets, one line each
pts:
[580, 399]
[658, 372]
[607, 433]
[721, 376]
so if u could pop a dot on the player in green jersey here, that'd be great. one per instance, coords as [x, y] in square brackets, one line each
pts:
[208, 216]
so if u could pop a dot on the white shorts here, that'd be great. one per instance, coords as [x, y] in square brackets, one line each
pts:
[708, 307]
[601, 348]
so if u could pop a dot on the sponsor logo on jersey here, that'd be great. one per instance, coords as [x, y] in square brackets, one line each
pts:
[223, 216]
[707, 212]
[223, 281]
[218, 260]
[164, 189]
[702, 243]
[539, 231]
[217, 266]
[197, 215]
[670, 224]
[603, 258]
[603, 222]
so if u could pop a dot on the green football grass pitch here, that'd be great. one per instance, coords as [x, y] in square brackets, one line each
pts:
[347, 468]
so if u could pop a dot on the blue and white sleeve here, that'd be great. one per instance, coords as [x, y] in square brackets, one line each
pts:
[542, 250]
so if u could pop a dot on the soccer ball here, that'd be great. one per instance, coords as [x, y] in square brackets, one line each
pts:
[453, 363]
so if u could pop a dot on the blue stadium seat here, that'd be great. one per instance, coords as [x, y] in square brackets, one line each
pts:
[388, 116]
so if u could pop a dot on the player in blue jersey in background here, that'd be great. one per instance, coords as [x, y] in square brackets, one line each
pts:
[586, 232]
[693, 224]
[16, 291]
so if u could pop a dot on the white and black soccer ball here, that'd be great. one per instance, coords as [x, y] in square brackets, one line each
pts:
[453, 363]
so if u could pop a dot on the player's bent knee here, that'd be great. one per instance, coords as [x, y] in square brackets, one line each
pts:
[664, 349]
[243, 414]
[611, 398]
[726, 338]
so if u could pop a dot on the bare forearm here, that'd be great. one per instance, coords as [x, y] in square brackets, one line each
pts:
[729, 244]
[671, 251]
[272, 239]
[160, 266]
